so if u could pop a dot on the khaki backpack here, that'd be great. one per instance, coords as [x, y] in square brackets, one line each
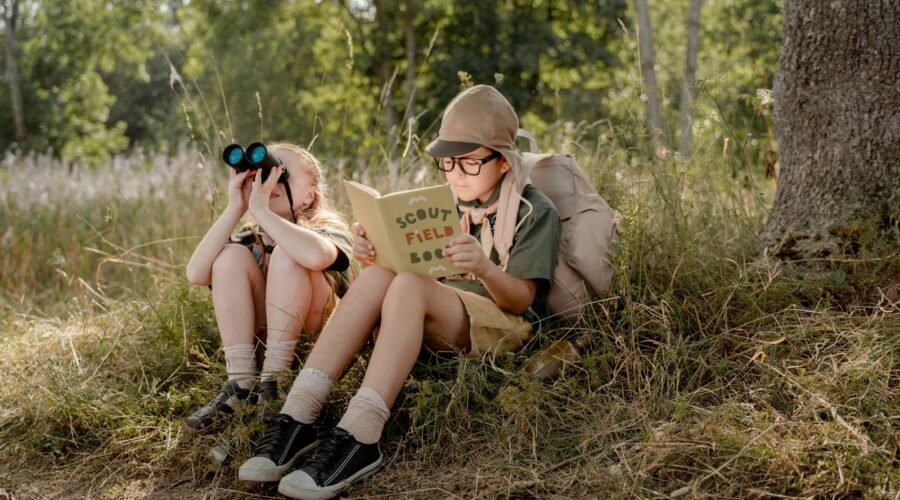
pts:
[583, 269]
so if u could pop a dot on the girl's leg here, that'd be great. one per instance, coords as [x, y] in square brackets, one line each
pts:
[238, 292]
[295, 298]
[343, 337]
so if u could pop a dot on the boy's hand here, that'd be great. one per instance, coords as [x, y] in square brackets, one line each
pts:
[465, 251]
[261, 191]
[239, 191]
[363, 250]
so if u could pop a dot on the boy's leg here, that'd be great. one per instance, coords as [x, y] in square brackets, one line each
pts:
[291, 433]
[344, 336]
[412, 306]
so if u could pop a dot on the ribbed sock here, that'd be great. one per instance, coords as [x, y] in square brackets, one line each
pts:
[277, 363]
[308, 395]
[240, 363]
[365, 416]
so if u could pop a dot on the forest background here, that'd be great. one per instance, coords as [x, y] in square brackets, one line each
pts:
[713, 368]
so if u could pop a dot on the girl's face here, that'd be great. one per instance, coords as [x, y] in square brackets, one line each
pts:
[302, 189]
[481, 186]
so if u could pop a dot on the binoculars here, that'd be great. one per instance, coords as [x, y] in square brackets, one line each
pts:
[256, 157]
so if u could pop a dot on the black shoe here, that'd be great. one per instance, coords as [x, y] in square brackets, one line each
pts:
[339, 462]
[285, 440]
[268, 400]
[216, 411]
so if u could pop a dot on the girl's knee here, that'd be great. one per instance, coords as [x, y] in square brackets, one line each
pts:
[231, 259]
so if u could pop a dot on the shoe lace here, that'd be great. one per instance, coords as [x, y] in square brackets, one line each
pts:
[325, 453]
[272, 437]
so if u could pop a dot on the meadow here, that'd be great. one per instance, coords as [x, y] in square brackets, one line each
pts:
[713, 369]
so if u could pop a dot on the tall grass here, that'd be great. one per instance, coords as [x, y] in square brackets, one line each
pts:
[712, 371]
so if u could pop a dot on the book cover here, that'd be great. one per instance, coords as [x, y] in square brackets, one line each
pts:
[410, 228]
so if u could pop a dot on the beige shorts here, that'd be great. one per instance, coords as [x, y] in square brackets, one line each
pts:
[492, 329]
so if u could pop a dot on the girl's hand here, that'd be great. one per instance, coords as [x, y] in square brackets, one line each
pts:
[261, 191]
[465, 251]
[239, 191]
[363, 249]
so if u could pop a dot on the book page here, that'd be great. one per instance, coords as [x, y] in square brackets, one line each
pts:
[421, 223]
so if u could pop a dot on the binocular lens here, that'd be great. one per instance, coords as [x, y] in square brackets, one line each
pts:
[257, 153]
[233, 155]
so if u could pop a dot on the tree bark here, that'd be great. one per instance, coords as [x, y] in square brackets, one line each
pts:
[837, 119]
[10, 11]
[651, 89]
[690, 72]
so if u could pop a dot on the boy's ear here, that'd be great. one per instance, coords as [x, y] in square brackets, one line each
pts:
[504, 165]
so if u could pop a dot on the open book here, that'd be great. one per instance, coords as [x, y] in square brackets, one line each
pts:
[409, 229]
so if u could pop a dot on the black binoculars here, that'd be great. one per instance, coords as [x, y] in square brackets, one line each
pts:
[256, 157]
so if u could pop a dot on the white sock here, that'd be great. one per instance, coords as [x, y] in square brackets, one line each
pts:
[277, 363]
[365, 416]
[308, 395]
[240, 363]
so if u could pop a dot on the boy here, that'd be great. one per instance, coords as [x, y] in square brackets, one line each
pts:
[511, 232]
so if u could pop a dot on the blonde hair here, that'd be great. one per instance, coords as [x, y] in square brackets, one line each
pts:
[319, 213]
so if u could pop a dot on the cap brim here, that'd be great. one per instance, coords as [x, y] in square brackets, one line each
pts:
[442, 149]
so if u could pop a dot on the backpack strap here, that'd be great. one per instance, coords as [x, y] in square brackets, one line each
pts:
[532, 142]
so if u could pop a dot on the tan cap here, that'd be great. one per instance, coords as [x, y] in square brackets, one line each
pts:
[478, 116]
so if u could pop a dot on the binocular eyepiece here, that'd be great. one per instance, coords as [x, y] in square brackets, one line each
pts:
[256, 156]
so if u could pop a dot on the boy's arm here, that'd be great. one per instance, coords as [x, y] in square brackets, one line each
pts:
[512, 294]
[199, 268]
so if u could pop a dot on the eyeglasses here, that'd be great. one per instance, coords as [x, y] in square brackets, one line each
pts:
[469, 166]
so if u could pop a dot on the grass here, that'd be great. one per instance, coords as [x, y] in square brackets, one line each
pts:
[712, 371]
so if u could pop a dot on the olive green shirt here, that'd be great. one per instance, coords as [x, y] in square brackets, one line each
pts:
[533, 252]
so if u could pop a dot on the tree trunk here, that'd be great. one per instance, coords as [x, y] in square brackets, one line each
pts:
[690, 72]
[651, 89]
[837, 119]
[12, 73]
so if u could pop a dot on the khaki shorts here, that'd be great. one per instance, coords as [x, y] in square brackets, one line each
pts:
[491, 329]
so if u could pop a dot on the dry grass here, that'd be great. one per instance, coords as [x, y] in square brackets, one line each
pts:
[712, 371]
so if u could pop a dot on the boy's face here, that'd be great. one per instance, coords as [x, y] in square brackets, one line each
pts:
[472, 187]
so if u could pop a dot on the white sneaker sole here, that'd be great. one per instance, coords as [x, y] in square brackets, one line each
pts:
[273, 474]
[306, 493]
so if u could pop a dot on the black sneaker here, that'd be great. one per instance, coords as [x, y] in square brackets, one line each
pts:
[268, 400]
[285, 440]
[339, 462]
[214, 413]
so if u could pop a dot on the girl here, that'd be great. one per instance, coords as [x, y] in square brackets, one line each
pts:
[272, 274]
[509, 245]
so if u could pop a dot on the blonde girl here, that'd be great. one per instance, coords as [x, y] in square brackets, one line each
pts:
[271, 280]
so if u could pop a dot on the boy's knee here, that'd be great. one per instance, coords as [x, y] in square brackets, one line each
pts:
[406, 287]
[376, 273]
